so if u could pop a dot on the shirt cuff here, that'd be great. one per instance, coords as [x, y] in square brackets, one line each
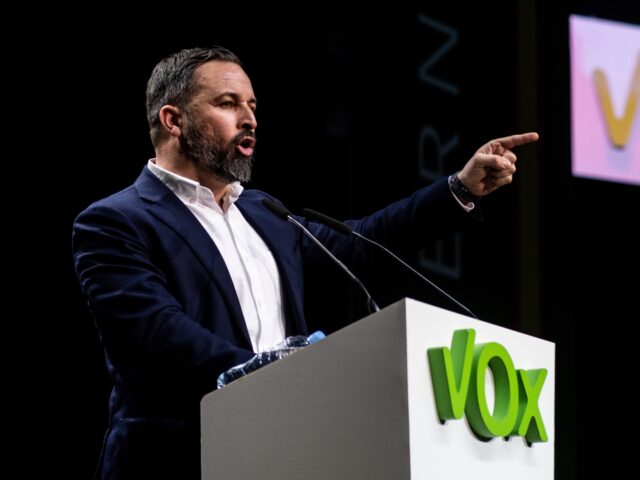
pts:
[463, 196]
[467, 206]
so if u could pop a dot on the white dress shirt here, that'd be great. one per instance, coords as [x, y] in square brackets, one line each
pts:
[250, 263]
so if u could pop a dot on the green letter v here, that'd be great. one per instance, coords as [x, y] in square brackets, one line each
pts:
[450, 373]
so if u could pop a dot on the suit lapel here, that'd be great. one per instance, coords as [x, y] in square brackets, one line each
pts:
[167, 208]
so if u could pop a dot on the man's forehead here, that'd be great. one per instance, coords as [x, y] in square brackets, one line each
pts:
[221, 71]
[219, 77]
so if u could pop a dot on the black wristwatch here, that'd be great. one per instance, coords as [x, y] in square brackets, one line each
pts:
[460, 191]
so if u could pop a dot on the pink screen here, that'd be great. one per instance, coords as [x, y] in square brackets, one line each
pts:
[605, 99]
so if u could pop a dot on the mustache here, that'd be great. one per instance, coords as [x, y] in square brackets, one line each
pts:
[238, 139]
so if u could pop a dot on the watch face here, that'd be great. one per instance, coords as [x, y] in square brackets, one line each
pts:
[460, 190]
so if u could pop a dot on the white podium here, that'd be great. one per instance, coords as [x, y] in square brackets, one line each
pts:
[361, 404]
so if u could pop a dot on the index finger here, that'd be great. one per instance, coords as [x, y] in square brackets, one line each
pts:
[517, 140]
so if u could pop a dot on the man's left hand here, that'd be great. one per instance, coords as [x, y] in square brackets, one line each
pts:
[493, 165]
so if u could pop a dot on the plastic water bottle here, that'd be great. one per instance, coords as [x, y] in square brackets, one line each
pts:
[285, 348]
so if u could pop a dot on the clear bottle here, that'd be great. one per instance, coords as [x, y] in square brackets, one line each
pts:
[285, 348]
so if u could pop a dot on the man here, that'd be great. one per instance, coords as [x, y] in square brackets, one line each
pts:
[188, 275]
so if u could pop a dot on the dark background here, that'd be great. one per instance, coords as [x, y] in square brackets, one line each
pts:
[342, 111]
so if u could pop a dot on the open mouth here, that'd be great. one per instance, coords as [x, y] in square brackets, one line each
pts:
[246, 146]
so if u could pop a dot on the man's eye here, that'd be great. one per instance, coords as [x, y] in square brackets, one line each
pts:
[227, 104]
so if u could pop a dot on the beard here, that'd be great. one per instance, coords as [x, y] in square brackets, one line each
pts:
[227, 163]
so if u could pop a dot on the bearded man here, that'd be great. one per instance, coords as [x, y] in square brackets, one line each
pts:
[186, 274]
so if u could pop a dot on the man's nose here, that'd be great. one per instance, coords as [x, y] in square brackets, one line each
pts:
[247, 119]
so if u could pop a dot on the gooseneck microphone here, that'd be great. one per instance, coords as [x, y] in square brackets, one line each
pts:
[347, 230]
[285, 214]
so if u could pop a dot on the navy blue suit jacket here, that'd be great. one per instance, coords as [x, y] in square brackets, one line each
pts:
[168, 315]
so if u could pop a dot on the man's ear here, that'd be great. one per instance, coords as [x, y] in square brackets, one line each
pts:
[171, 120]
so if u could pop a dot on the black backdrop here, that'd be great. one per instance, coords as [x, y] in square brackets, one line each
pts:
[342, 113]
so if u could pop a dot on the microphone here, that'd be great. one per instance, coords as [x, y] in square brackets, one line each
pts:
[285, 214]
[347, 230]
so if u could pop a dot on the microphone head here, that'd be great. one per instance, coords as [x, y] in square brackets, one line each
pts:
[328, 221]
[276, 208]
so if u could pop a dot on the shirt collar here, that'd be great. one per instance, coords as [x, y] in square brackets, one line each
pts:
[190, 191]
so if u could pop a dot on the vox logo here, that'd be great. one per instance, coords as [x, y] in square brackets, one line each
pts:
[458, 375]
[618, 128]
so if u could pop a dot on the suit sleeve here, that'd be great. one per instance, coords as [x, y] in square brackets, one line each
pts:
[140, 320]
[427, 215]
